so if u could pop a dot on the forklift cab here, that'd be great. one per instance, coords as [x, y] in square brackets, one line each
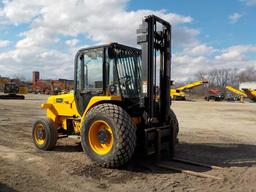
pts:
[107, 70]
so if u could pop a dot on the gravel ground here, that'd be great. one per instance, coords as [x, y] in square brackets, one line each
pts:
[216, 133]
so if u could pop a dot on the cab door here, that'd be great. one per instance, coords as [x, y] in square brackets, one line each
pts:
[88, 76]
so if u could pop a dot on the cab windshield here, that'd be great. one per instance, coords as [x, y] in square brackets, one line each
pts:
[128, 67]
[109, 70]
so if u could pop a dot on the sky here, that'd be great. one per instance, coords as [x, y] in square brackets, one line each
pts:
[44, 35]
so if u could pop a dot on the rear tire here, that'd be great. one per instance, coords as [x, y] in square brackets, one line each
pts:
[121, 147]
[44, 134]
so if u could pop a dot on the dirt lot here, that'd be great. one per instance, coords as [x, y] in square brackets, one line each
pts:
[215, 133]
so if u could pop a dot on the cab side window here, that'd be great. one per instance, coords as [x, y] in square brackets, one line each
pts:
[93, 70]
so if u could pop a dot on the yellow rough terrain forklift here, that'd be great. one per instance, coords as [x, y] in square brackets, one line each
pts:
[114, 108]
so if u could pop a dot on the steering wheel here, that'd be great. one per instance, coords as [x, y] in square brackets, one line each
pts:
[126, 82]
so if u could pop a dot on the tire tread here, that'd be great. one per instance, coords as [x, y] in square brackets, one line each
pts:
[126, 132]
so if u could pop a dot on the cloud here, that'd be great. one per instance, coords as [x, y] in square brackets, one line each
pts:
[55, 24]
[236, 53]
[38, 36]
[41, 47]
[72, 42]
[71, 19]
[234, 17]
[51, 63]
[249, 2]
[198, 50]
[185, 63]
[183, 36]
[20, 11]
[4, 43]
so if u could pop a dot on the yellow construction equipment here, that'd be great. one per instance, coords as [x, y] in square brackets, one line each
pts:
[11, 91]
[23, 90]
[241, 94]
[245, 93]
[114, 108]
[236, 91]
[179, 93]
[251, 94]
[176, 94]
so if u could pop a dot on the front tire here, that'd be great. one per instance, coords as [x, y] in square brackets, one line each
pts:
[108, 135]
[174, 124]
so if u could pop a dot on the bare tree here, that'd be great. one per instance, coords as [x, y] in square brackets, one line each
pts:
[19, 77]
[201, 75]
[219, 77]
[248, 74]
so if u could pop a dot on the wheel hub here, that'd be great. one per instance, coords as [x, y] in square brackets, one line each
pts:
[40, 134]
[102, 136]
